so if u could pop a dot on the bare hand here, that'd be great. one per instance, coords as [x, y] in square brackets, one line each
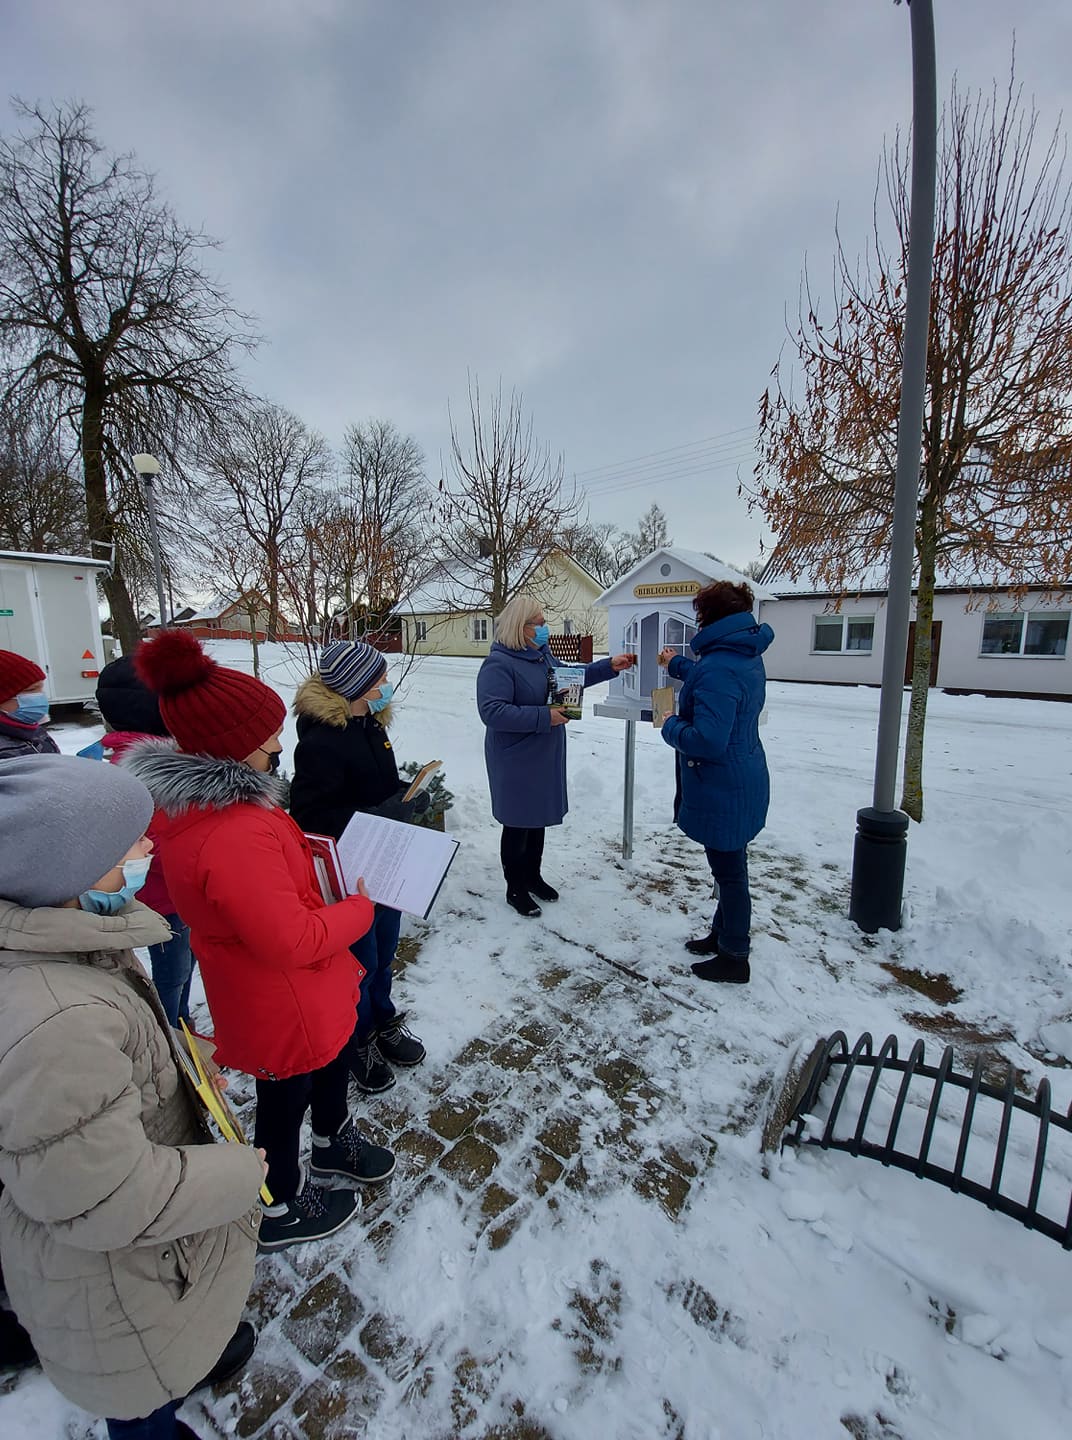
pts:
[362, 888]
[666, 655]
[558, 716]
[622, 662]
[264, 1160]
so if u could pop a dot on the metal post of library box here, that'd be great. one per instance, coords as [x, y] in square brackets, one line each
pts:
[650, 610]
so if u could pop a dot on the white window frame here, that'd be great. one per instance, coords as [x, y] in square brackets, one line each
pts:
[420, 631]
[847, 618]
[689, 629]
[1025, 617]
[631, 645]
[567, 625]
[480, 628]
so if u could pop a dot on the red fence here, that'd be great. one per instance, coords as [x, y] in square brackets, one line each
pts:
[571, 649]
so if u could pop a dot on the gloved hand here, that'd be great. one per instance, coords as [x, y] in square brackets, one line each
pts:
[395, 808]
[421, 802]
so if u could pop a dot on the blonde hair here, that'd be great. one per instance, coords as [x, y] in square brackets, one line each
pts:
[515, 615]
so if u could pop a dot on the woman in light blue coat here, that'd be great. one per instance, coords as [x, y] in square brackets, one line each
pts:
[525, 743]
[723, 785]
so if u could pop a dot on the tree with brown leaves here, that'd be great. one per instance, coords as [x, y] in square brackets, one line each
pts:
[995, 493]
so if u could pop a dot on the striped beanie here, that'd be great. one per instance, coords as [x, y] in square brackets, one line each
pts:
[350, 667]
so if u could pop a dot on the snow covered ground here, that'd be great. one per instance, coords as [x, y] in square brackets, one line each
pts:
[676, 1282]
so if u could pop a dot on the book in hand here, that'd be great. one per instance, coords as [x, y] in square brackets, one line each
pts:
[663, 700]
[226, 1121]
[567, 690]
[422, 779]
[403, 866]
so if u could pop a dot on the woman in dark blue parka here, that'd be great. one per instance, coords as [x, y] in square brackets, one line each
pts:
[525, 744]
[724, 788]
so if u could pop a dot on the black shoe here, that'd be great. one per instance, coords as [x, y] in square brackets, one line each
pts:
[239, 1348]
[311, 1215]
[724, 968]
[397, 1043]
[371, 1072]
[523, 903]
[352, 1156]
[540, 888]
[16, 1347]
[182, 1431]
[703, 944]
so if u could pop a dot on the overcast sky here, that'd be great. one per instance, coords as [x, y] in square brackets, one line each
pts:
[605, 202]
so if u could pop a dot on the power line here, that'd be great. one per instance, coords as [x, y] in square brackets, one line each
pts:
[654, 455]
[703, 467]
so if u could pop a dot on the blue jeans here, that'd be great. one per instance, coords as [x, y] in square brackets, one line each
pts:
[733, 917]
[160, 1425]
[376, 950]
[172, 965]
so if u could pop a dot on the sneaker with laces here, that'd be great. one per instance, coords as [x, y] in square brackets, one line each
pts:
[349, 1155]
[397, 1043]
[313, 1214]
[370, 1070]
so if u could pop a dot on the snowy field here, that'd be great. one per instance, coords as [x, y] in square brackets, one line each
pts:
[804, 1295]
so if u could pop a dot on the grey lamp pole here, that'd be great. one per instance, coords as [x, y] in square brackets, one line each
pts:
[878, 859]
[148, 467]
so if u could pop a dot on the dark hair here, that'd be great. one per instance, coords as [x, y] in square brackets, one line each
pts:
[722, 598]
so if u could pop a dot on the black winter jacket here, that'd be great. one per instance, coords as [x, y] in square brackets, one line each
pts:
[342, 763]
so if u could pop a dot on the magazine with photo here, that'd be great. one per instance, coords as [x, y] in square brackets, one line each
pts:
[566, 689]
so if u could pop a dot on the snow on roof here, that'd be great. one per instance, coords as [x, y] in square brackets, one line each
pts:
[701, 561]
[30, 557]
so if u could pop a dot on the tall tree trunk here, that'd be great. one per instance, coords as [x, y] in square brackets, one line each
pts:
[912, 780]
[273, 590]
[125, 625]
[254, 642]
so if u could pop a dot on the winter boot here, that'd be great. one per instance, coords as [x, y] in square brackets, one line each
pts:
[349, 1155]
[725, 968]
[523, 903]
[239, 1348]
[313, 1214]
[539, 887]
[703, 944]
[397, 1043]
[16, 1347]
[371, 1073]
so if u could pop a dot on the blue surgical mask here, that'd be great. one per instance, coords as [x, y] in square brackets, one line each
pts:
[542, 635]
[32, 709]
[384, 698]
[110, 902]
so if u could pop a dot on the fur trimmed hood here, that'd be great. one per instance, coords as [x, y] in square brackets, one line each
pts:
[179, 782]
[317, 701]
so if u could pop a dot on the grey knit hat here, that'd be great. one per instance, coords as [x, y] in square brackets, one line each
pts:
[350, 667]
[65, 822]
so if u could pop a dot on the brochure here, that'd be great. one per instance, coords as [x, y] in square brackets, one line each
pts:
[663, 704]
[403, 866]
[566, 688]
[227, 1122]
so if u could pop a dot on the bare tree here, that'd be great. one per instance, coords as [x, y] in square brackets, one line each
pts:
[603, 549]
[504, 504]
[995, 494]
[257, 468]
[381, 525]
[105, 305]
[42, 504]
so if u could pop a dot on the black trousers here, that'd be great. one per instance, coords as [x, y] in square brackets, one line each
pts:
[522, 852]
[281, 1107]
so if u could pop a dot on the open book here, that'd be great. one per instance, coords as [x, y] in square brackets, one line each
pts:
[422, 779]
[403, 866]
[226, 1121]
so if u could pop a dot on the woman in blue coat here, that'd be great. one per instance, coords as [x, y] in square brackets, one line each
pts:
[525, 743]
[723, 785]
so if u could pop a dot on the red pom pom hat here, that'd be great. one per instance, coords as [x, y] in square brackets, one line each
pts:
[209, 709]
[18, 674]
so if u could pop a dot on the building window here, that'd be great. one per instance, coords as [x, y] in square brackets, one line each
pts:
[567, 626]
[480, 627]
[1020, 632]
[676, 634]
[420, 629]
[843, 635]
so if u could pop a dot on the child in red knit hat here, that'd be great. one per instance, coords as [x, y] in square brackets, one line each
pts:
[23, 708]
[279, 977]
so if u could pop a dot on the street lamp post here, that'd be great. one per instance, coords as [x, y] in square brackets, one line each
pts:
[878, 859]
[148, 467]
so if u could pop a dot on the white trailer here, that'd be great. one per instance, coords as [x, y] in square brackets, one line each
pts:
[50, 611]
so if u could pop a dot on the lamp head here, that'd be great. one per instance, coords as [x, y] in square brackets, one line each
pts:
[146, 465]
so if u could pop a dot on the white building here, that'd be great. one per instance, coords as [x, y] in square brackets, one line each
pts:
[985, 640]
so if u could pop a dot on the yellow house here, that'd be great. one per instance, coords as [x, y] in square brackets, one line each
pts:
[437, 619]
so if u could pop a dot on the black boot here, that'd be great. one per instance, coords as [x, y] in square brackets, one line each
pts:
[539, 887]
[16, 1347]
[725, 969]
[703, 944]
[523, 903]
[371, 1072]
[239, 1348]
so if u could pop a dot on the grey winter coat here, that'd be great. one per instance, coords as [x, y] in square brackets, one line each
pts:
[525, 754]
[127, 1241]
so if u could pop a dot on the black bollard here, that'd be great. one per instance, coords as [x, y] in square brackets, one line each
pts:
[878, 865]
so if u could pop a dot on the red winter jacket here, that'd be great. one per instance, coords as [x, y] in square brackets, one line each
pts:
[154, 892]
[279, 977]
